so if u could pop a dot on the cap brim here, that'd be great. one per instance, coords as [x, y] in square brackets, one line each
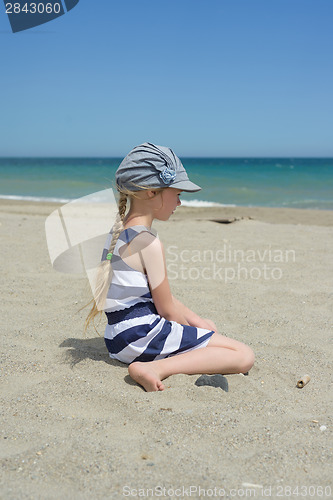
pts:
[186, 186]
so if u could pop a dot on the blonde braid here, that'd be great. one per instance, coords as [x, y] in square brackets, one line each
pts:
[118, 226]
[104, 271]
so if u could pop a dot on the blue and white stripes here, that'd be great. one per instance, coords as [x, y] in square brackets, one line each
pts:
[128, 286]
[140, 334]
[135, 331]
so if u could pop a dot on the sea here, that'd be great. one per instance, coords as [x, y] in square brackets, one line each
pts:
[305, 183]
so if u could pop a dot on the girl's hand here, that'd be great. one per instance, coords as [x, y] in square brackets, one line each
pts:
[211, 324]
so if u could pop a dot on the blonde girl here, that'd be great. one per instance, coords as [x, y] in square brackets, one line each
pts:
[148, 328]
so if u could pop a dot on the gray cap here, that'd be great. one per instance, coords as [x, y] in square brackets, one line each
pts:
[153, 166]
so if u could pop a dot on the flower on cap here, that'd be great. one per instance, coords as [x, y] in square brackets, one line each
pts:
[168, 175]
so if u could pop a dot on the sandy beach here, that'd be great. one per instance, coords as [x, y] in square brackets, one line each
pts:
[75, 426]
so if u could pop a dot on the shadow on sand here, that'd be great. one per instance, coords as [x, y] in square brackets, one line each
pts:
[80, 349]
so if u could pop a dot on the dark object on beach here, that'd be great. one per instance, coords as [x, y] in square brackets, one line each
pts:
[229, 221]
[214, 381]
[303, 381]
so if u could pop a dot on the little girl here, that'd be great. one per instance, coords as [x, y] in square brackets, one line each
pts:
[148, 328]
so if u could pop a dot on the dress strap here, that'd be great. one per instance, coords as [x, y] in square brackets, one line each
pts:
[125, 237]
[128, 234]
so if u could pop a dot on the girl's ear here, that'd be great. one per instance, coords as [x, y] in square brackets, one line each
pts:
[151, 193]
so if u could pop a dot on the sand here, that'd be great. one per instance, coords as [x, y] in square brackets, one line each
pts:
[74, 425]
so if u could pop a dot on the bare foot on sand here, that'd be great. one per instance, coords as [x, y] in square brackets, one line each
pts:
[145, 375]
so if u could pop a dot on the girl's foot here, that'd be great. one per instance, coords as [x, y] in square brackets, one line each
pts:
[145, 375]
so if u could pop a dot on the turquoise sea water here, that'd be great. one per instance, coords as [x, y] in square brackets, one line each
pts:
[285, 182]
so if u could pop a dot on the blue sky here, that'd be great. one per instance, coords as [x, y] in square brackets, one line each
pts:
[207, 78]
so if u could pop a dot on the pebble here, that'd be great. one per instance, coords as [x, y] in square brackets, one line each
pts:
[323, 427]
[251, 485]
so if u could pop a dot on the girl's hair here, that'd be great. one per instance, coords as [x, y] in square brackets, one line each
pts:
[104, 270]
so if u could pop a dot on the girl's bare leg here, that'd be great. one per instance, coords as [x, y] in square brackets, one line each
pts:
[222, 355]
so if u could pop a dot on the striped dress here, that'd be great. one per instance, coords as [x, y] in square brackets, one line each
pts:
[135, 331]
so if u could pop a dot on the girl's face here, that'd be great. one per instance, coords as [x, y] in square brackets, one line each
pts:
[169, 201]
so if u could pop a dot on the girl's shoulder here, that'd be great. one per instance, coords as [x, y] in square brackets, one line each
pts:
[140, 237]
[138, 232]
[137, 243]
[140, 228]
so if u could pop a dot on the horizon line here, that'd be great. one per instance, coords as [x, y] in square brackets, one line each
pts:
[181, 156]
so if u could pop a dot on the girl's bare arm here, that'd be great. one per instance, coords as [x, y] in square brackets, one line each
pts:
[192, 318]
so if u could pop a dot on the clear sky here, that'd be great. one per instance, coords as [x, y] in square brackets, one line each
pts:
[204, 77]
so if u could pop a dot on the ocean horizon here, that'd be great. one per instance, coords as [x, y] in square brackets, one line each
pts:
[270, 182]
